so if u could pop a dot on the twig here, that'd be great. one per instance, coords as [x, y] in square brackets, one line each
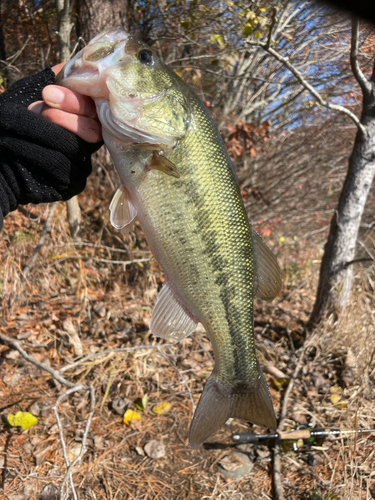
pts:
[357, 72]
[203, 348]
[277, 482]
[37, 249]
[284, 407]
[68, 475]
[355, 261]
[180, 374]
[109, 351]
[39, 364]
[107, 261]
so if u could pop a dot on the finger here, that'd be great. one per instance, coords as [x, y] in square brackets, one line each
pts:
[36, 107]
[86, 128]
[68, 100]
[56, 69]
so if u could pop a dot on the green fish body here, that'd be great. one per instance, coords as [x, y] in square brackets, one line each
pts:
[177, 179]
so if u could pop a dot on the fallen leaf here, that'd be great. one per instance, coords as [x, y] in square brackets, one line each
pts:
[75, 341]
[280, 383]
[162, 408]
[141, 403]
[155, 449]
[22, 419]
[131, 415]
[74, 452]
[335, 398]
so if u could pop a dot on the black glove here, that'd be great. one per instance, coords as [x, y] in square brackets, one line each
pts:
[40, 162]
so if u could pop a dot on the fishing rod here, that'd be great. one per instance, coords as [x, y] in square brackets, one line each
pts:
[306, 434]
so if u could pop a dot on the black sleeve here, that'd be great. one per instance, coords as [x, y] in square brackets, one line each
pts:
[39, 161]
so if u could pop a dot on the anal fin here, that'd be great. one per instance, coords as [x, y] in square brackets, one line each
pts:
[169, 319]
[220, 401]
[123, 212]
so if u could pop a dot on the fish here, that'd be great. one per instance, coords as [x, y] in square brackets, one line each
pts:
[178, 181]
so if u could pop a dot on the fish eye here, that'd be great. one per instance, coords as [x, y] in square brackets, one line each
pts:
[146, 56]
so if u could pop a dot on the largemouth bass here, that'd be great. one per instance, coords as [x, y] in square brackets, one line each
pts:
[177, 179]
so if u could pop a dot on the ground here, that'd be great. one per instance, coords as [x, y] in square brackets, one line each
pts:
[80, 300]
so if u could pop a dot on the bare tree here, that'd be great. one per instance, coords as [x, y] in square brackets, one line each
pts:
[336, 272]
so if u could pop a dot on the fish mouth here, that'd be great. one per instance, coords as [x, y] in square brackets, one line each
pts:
[89, 63]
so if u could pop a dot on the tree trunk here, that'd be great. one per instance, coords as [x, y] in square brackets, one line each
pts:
[94, 16]
[336, 272]
[64, 28]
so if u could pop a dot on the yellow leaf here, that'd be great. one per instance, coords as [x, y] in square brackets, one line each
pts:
[300, 443]
[335, 389]
[216, 38]
[280, 383]
[131, 415]
[179, 71]
[342, 406]
[22, 419]
[335, 398]
[162, 408]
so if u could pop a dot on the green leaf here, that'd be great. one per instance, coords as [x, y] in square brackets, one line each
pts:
[216, 38]
[141, 403]
[248, 29]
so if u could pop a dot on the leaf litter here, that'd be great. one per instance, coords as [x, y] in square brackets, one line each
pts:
[76, 302]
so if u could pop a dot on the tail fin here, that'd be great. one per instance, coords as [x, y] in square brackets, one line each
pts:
[220, 401]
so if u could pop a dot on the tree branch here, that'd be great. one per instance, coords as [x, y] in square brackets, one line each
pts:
[359, 76]
[38, 248]
[310, 88]
[298, 75]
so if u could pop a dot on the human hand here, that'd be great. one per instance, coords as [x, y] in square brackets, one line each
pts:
[69, 110]
[45, 154]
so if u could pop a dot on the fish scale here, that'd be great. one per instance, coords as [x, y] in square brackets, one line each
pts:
[178, 180]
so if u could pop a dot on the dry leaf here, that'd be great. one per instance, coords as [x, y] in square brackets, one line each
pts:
[155, 449]
[162, 408]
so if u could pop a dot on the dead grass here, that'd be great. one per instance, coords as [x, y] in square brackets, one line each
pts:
[109, 308]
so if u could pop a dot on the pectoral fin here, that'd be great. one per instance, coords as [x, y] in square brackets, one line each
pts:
[268, 274]
[123, 212]
[160, 162]
[169, 319]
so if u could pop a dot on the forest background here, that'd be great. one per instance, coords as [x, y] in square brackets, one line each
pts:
[284, 81]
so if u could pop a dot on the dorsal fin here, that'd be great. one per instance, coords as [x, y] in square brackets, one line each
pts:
[268, 274]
